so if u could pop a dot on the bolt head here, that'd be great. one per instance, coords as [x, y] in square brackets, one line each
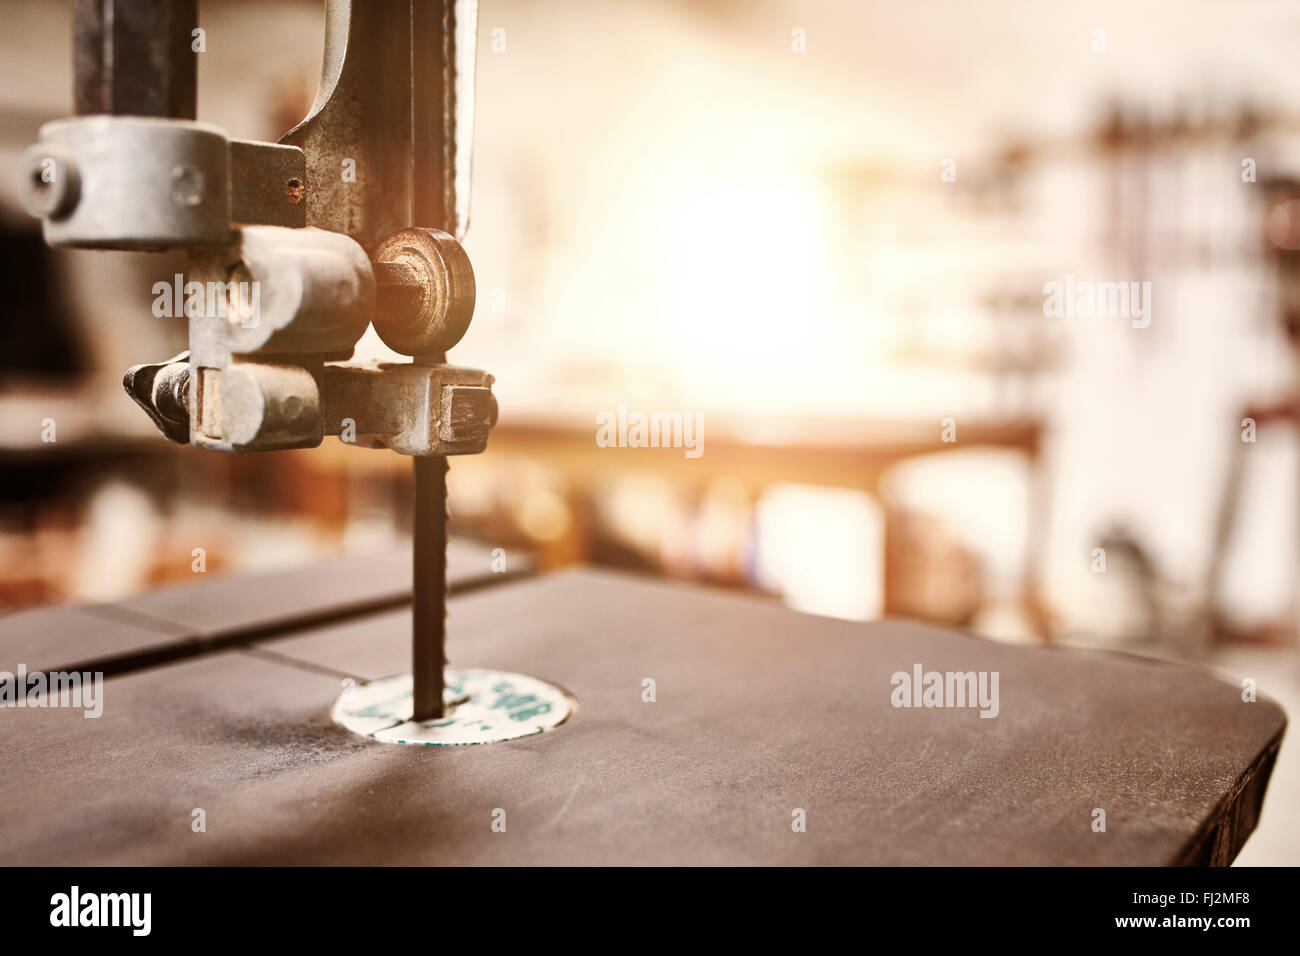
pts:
[187, 186]
[50, 185]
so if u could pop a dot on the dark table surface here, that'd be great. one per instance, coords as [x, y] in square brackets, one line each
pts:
[760, 711]
[184, 620]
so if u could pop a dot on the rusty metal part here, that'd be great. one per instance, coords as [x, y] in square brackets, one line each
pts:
[277, 303]
[143, 183]
[398, 289]
[254, 406]
[357, 137]
[426, 306]
[393, 92]
[309, 292]
[442, 70]
[268, 184]
[417, 410]
[412, 409]
[433, 132]
[129, 182]
[135, 57]
[162, 389]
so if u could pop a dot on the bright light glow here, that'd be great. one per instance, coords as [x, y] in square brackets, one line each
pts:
[823, 550]
[744, 282]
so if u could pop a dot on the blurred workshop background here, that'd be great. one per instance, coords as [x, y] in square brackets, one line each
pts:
[825, 227]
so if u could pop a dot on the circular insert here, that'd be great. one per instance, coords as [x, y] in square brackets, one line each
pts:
[480, 707]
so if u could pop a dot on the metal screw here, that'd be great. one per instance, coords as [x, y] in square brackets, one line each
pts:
[187, 186]
[51, 186]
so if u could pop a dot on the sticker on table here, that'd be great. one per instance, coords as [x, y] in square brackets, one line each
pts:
[480, 707]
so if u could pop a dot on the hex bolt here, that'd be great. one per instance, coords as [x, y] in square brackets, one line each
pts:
[51, 184]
